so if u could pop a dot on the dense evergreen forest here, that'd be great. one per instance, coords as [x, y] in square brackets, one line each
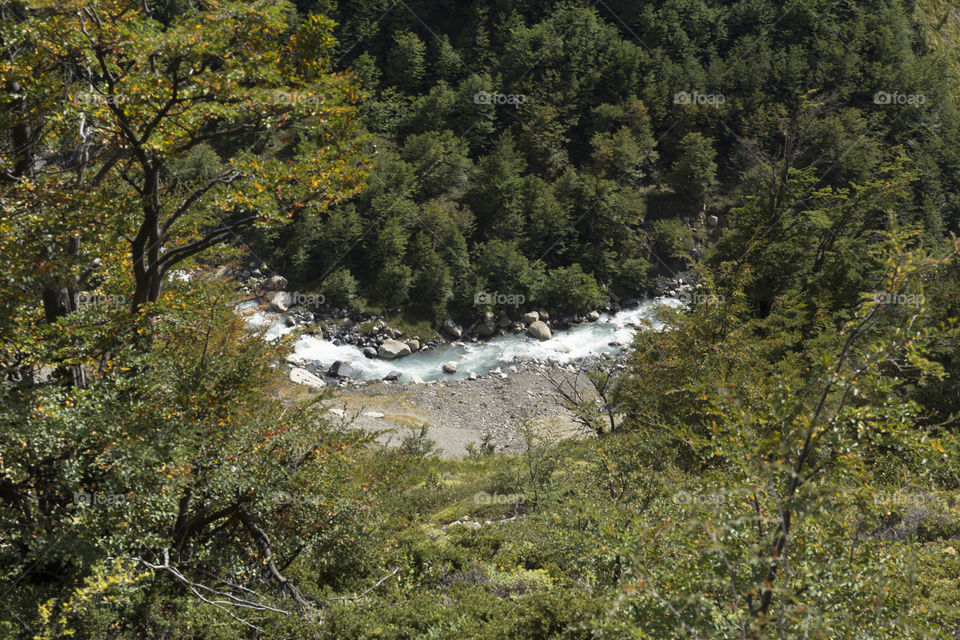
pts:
[780, 461]
[571, 153]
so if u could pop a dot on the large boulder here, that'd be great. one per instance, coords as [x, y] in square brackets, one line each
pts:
[414, 344]
[452, 328]
[593, 316]
[276, 283]
[393, 349]
[280, 301]
[504, 322]
[530, 317]
[539, 330]
[369, 352]
[487, 326]
[304, 377]
[393, 376]
[450, 367]
[340, 369]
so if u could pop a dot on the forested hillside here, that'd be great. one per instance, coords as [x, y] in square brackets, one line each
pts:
[779, 459]
[541, 148]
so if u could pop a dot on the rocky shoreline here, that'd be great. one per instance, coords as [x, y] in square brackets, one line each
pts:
[371, 334]
[342, 374]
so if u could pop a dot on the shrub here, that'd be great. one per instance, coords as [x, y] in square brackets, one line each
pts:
[631, 276]
[570, 290]
[672, 238]
[393, 284]
[340, 288]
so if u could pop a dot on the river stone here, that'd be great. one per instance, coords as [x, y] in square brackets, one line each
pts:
[414, 344]
[452, 328]
[539, 330]
[487, 326]
[392, 349]
[450, 367]
[393, 376]
[713, 221]
[276, 283]
[280, 301]
[530, 318]
[471, 376]
[416, 380]
[593, 316]
[369, 352]
[302, 376]
[504, 321]
[340, 369]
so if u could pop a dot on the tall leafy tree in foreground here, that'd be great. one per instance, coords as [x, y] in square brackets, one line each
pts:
[173, 133]
[141, 469]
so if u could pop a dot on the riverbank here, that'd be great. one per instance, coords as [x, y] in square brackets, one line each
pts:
[492, 409]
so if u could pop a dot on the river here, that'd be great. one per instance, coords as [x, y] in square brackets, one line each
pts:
[606, 335]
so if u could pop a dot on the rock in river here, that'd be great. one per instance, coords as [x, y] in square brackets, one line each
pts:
[393, 349]
[340, 369]
[539, 330]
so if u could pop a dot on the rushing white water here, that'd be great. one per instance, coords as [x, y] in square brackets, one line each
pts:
[589, 339]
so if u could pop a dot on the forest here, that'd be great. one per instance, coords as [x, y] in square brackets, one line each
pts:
[778, 460]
